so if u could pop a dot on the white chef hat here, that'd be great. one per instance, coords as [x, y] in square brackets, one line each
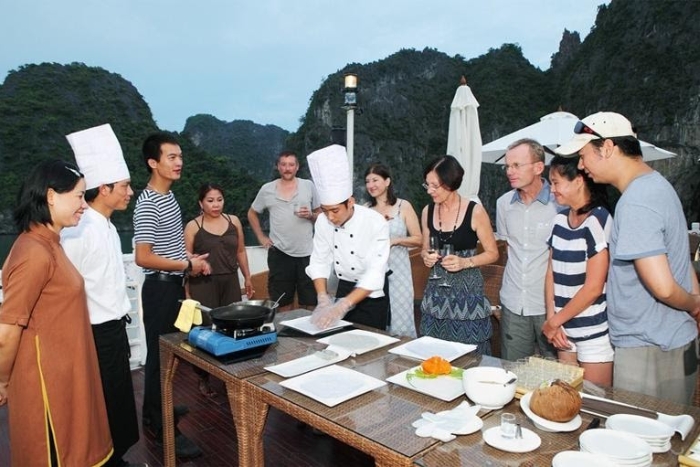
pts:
[331, 173]
[99, 155]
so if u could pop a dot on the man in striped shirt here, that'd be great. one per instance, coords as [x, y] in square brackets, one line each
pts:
[160, 251]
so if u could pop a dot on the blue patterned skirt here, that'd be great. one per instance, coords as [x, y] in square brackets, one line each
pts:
[459, 313]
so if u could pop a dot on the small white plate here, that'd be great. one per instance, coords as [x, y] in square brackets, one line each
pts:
[452, 426]
[443, 387]
[529, 442]
[304, 325]
[425, 347]
[333, 384]
[358, 341]
[548, 425]
[308, 363]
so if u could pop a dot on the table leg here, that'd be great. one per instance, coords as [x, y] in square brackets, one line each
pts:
[249, 417]
[168, 366]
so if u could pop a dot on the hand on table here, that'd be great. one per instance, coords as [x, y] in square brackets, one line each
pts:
[328, 316]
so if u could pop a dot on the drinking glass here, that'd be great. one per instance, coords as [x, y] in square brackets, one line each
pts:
[508, 425]
[434, 245]
[447, 249]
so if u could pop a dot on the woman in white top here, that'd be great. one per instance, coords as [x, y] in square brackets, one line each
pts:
[404, 230]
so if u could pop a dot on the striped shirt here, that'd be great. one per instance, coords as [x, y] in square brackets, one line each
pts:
[571, 249]
[158, 222]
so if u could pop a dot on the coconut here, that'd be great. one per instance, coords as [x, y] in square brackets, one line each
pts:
[559, 402]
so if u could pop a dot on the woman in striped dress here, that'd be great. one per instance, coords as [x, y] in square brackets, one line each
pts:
[577, 319]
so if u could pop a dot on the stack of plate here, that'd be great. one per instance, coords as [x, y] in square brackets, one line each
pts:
[622, 448]
[581, 459]
[656, 434]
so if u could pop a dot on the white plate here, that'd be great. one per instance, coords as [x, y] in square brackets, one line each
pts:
[425, 347]
[333, 384]
[453, 426]
[443, 387]
[308, 363]
[304, 325]
[358, 341]
[645, 428]
[620, 447]
[544, 424]
[581, 459]
[529, 442]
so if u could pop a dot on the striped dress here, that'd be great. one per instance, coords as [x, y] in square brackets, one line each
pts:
[571, 249]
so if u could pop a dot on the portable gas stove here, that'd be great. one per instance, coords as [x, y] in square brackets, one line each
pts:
[235, 345]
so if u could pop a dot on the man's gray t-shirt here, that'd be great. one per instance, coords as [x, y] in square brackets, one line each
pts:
[648, 221]
[289, 233]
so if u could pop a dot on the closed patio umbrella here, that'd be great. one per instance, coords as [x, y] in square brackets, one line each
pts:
[464, 138]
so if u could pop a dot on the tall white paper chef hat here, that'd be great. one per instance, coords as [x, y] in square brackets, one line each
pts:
[331, 173]
[99, 155]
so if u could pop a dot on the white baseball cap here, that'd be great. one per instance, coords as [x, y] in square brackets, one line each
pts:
[600, 125]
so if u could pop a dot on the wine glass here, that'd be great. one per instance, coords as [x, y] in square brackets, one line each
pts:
[446, 250]
[434, 245]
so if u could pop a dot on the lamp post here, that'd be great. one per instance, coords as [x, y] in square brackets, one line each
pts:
[350, 104]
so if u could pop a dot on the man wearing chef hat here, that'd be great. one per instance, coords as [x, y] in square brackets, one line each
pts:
[95, 250]
[652, 292]
[353, 240]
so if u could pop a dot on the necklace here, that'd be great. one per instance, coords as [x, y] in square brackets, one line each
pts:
[459, 208]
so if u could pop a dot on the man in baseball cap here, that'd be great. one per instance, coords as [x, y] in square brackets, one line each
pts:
[653, 294]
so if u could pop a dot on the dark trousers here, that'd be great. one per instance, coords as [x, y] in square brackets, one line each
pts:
[112, 344]
[373, 312]
[160, 310]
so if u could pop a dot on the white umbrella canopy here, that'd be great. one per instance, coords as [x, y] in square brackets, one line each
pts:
[552, 131]
[464, 138]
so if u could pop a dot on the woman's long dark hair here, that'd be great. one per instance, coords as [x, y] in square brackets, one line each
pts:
[382, 171]
[568, 167]
[32, 205]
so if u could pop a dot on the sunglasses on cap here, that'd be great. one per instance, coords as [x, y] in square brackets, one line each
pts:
[582, 128]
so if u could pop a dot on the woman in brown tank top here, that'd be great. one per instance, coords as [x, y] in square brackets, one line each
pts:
[220, 235]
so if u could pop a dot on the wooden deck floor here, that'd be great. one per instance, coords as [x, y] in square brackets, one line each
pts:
[210, 425]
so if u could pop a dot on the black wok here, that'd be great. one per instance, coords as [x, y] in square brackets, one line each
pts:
[241, 316]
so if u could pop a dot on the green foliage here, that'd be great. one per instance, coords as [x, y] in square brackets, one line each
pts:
[40, 104]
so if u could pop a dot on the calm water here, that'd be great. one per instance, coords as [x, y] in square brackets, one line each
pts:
[7, 240]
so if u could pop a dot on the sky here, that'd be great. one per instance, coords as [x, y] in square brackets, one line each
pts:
[261, 60]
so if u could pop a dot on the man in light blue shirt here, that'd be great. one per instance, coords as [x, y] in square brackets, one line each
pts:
[653, 292]
[524, 219]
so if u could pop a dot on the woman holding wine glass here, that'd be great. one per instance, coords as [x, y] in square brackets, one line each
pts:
[454, 307]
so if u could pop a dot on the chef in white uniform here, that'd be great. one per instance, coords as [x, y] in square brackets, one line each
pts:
[352, 240]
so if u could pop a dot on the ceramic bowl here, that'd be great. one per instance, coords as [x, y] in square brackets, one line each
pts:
[490, 387]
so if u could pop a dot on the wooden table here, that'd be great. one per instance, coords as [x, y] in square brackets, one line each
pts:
[377, 423]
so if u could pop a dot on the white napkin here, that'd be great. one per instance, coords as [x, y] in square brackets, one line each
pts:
[444, 425]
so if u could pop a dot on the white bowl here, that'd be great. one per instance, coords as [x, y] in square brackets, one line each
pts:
[490, 387]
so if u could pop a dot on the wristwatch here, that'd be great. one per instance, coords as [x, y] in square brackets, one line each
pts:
[188, 269]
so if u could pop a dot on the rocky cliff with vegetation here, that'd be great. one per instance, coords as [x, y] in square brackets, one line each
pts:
[641, 59]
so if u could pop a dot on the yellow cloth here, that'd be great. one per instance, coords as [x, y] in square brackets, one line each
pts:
[189, 314]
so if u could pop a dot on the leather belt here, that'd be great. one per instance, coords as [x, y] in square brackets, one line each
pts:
[163, 277]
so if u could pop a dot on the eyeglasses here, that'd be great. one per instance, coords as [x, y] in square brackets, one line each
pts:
[582, 128]
[516, 166]
[430, 187]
